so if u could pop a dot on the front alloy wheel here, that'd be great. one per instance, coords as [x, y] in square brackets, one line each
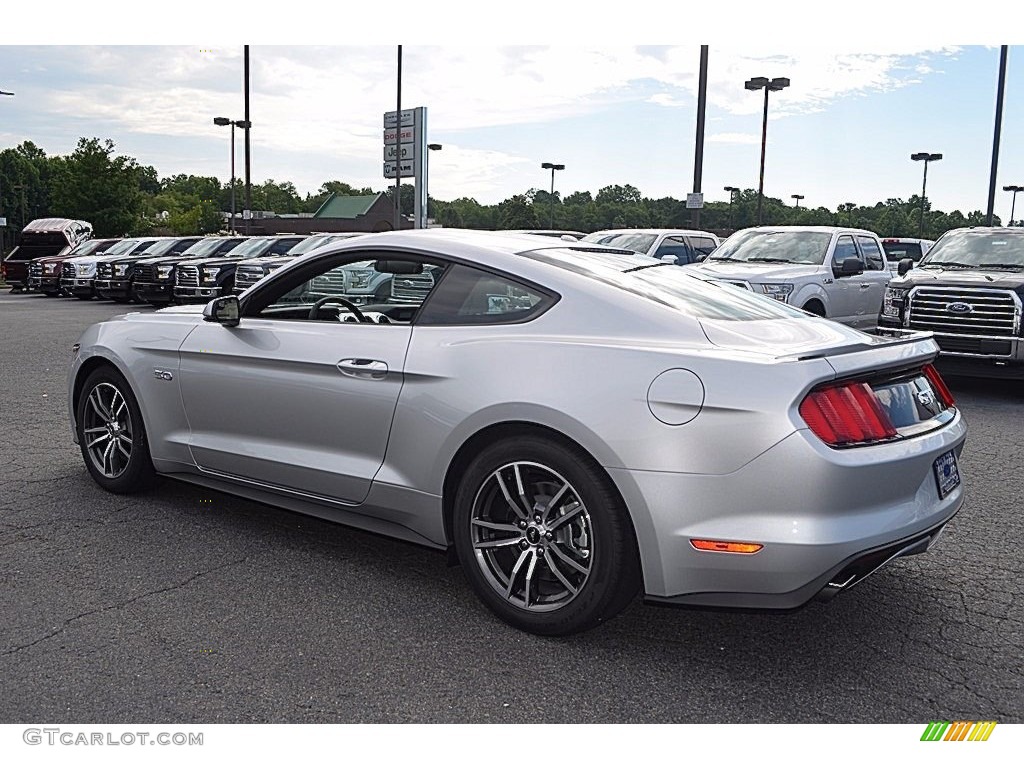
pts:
[111, 434]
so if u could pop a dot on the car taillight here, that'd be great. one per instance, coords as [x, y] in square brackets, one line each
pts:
[846, 414]
[938, 385]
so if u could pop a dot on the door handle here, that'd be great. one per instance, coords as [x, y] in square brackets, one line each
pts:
[865, 285]
[361, 368]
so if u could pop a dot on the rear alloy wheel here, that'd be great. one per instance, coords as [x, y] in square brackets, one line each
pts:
[111, 434]
[543, 537]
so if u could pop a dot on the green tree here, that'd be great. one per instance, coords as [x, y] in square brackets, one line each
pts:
[95, 185]
[516, 213]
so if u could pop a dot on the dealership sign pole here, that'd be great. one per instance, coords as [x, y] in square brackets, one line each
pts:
[405, 154]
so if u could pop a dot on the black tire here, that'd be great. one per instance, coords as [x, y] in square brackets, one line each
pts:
[606, 533]
[136, 473]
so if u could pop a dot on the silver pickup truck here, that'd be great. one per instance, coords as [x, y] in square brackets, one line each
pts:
[834, 272]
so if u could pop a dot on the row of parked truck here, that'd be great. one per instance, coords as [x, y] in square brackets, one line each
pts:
[154, 270]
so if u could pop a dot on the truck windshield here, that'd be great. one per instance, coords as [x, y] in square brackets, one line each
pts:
[992, 250]
[774, 247]
[637, 242]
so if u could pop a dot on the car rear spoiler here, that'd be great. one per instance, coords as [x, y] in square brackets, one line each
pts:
[896, 349]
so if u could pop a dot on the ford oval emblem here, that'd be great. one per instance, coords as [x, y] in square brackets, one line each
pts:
[959, 307]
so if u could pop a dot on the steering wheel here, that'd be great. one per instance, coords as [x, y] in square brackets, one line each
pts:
[315, 309]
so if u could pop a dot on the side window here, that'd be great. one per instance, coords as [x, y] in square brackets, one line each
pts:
[468, 296]
[873, 258]
[282, 246]
[346, 288]
[845, 249]
[677, 247]
[702, 246]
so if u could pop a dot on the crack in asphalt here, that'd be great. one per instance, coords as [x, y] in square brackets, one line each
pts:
[117, 606]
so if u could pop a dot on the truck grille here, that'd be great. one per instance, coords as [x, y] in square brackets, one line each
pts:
[68, 271]
[145, 273]
[35, 270]
[187, 276]
[965, 311]
[104, 271]
[331, 283]
[412, 287]
[246, 276]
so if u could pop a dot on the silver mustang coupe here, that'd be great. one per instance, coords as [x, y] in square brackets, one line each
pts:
[574, 424]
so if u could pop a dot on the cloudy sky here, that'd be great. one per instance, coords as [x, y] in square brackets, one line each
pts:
[613, 111]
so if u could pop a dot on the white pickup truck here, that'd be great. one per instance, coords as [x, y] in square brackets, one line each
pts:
[835, 272]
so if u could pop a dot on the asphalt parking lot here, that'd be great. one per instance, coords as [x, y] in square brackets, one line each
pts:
[184, 605]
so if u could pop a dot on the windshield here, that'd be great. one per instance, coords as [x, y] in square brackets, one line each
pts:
[774, 247]
[637, 242]
[158, 248]
[253, 247]
[87, 248]
[900, 251]
[307, 245]
[121, 248]
[978, 249]
[204, 247]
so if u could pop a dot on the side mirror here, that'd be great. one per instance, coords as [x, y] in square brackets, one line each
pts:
[904, 266]
[223, 310]
[668, 258]
[850, 266]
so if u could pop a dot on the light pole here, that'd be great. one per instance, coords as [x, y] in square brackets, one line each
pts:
[1015, 188]
[798, 198]
[732, 193]
[928, 157]
[554, 167]
[241, 124]
[426, 175]
[757, 84]
[2, 93]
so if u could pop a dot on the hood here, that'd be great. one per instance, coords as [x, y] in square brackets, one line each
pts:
[272, 262]
[50, 260]
[211, 261]
[181, 309]
[757, 272]
[155, 260]
[980, 278]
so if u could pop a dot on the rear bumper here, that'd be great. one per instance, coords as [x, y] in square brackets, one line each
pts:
[194, 295]
[816, 511]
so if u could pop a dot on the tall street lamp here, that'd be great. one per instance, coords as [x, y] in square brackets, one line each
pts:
[554, 167]
[1015, 188]
[733, 191]
[240, 124]
[928, 157]
[798, 198]
[757, 84]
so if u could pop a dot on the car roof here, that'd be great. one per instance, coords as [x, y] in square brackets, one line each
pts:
[644, 231]
[821, 229]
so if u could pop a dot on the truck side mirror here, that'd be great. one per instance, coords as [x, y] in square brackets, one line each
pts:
[850, 266]
[904, 266]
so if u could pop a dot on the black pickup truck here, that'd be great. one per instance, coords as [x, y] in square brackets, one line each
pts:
[968, 290]
[154, 277]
